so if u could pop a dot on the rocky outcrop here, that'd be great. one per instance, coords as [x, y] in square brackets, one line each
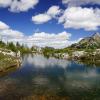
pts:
[78, 54]
[9, 59]
[89, 42]
[62, 55]
[10, 53]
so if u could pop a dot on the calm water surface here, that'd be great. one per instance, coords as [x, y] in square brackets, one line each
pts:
[40, 78]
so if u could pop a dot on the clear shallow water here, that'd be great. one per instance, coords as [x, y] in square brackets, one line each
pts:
[40, 78]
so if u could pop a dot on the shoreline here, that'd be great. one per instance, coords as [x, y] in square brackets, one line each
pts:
[10, 64]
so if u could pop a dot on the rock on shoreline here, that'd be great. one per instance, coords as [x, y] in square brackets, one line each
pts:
[9, 59]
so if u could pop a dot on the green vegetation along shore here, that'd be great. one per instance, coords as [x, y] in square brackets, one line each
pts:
[86, 51]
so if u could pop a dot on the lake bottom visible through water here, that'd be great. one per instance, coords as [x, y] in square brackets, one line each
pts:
[41, 78]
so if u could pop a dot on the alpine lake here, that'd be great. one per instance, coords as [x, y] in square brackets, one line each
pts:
[41, 78]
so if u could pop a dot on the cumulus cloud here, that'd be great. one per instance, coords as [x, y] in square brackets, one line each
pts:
[52, 12]
[3, 26]
[77, 17]
[5, 3]
[8, 34]
[22, 5]
[18, 5]
[80, 2]
[72, 17]
[41, 18]
[11, 33]
[41, 39]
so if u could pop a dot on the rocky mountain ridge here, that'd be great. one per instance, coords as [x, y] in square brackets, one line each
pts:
[88, 42]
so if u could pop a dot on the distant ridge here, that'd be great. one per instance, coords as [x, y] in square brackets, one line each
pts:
[89, 42]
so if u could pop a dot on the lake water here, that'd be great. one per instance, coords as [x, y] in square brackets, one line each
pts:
[40, 78]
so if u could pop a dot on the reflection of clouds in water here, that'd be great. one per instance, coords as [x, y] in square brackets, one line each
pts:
[90, 74]
[84, 74]
[39, 80]
[42, 62]
[86, 79]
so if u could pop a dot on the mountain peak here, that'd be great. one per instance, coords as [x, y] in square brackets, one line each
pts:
[89, 42]
[96, 35]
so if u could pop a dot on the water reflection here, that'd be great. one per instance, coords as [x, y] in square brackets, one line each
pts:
[40, 61]
[59, 79]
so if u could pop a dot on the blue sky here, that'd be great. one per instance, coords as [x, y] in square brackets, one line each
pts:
[55, 23]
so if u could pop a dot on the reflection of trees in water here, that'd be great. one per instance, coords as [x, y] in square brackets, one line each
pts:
[89, 63]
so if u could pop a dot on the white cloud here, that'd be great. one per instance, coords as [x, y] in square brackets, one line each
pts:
[41, 18]
[52, 12]
[3, 25]
[80, 2]
[72, 17]
[42, 39]
[77, 17]
[18, 5]
[7, 34]
[52, 40]
[22, 5]
[4, 3]
[11, 33]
